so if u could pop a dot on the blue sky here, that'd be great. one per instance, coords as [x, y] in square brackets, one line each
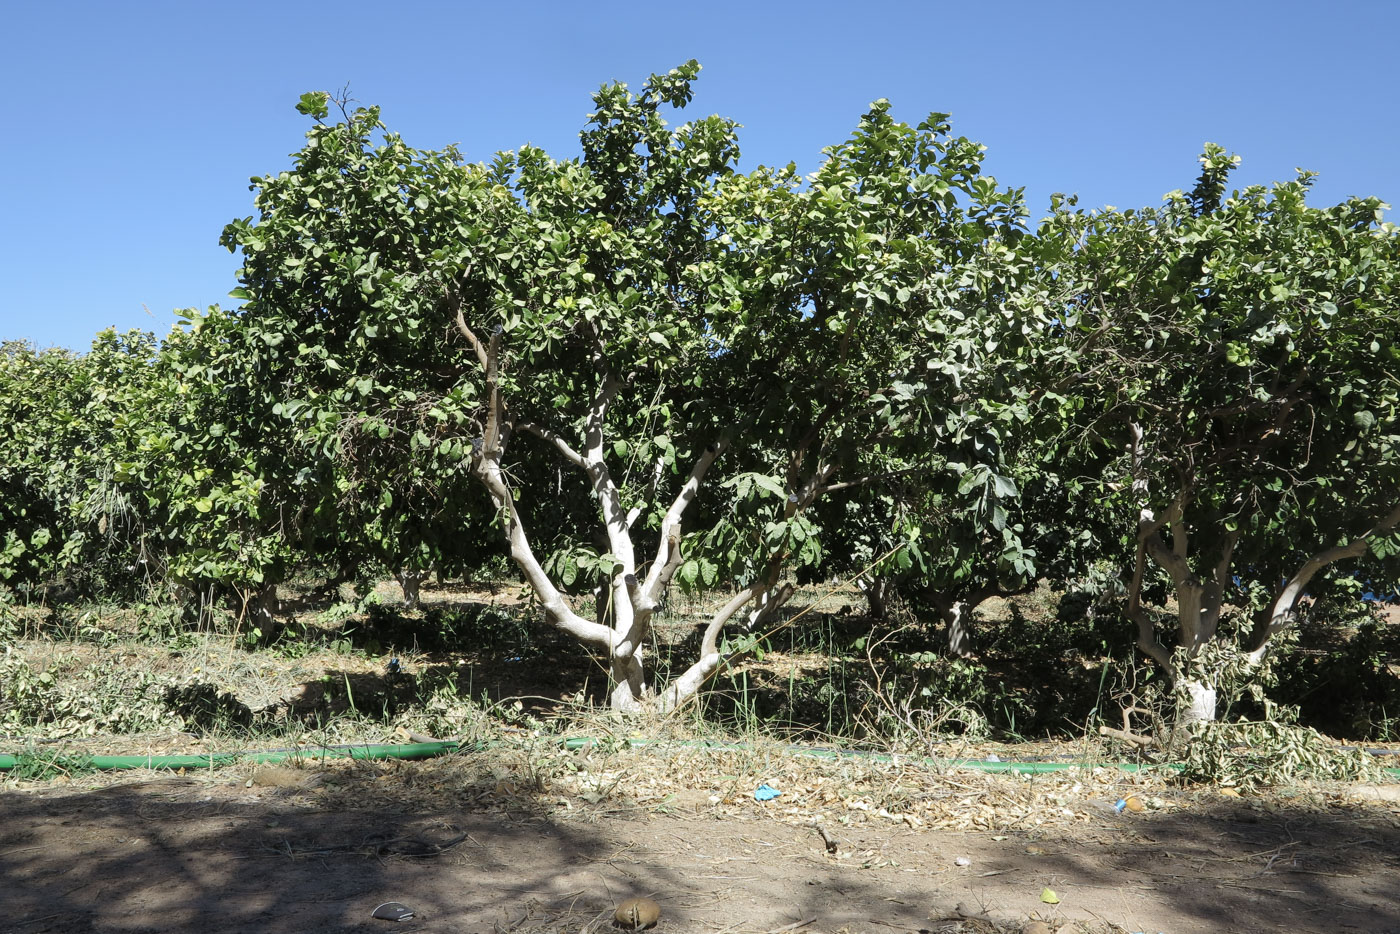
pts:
[134, 127]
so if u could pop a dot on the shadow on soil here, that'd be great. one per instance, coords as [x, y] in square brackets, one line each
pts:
[1233, 867]
[178, 854]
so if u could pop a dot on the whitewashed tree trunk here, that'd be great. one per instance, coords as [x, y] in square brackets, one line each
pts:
[1200, 598]
[876, 591]
[1202, 705]
[410, 582]
[633, 599]
[959, 630]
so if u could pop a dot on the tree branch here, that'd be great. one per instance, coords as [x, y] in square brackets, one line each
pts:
[694, 677]
[556, 608]
[1280, 612]
[668, 552]
[539, 431]
[1147, 636]
[476, 345]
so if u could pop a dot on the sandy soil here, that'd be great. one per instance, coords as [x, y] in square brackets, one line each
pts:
[281, 852]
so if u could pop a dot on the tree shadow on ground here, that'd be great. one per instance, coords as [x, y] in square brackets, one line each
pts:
[174, 854]
[1243, 867]
[215, 855]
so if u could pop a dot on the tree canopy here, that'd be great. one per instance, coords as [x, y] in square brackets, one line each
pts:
[642, 368]
[1232, 361]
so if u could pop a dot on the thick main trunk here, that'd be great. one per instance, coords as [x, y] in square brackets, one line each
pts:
[876, 590]
[630, 691]
[1201, 703]
[259, 609]
[410, 582]
[958, 612]
[959, 622]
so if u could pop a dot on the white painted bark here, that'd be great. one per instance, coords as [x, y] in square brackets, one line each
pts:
[1202, 705]
[633, 601]
[683, 688]
[1200, 600]
[1283, 609]
[486, 465]
[876, 590]
[959, 632]
[410, 582]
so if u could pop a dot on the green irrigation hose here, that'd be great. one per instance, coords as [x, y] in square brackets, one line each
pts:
[429, 750]
[215, 760]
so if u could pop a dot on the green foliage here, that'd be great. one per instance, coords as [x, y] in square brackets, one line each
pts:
[642, 367]
[1341, 673]
[410, 322]
[1223, 367]
[64, 419]
[95, 699]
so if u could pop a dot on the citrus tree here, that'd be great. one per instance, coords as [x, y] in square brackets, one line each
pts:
[65, 419]
[40, 396]
[1230, 367]
[651, 364]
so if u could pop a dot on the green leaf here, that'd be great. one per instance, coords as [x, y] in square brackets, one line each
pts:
[314, 104]
[770, 485]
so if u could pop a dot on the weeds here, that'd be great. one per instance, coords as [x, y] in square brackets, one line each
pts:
[839, 678]
[36, 766]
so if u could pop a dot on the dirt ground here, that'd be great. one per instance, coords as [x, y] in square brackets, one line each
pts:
[290, 850]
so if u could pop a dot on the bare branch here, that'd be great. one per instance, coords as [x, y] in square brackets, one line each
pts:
[604, 490]
[657, 470]
[1180, 539]
[799, 453]
[668, 553]
[476, 344]
[1280, 612]
[540, 431]
[872, 478]
[491, 437]
[1222, 566]
[1147, 636]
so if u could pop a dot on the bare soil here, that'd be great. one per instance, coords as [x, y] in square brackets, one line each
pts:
[283, 850]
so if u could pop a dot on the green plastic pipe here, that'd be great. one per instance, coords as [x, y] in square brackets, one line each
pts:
[216, 760]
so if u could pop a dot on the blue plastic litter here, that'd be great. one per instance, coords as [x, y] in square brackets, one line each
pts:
[765, 792]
